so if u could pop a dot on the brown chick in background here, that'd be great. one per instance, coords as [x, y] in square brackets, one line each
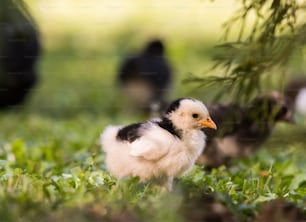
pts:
[242, 130]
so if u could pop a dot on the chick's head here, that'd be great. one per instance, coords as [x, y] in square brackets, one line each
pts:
[188, 114]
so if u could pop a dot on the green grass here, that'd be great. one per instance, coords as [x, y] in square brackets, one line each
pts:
[51, 165]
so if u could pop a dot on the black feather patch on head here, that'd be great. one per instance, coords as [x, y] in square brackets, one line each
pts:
[175, 105]
[167, 124]
[129, 133]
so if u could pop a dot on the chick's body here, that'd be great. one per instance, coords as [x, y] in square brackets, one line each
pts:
[172, 156]
[158, 149]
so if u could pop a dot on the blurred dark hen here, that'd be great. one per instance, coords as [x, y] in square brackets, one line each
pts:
[19, 51]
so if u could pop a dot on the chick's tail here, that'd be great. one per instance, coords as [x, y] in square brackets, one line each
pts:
[108, 138]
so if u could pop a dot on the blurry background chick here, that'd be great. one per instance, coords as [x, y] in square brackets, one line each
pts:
[160, 149]
[296, 91]
[279, 210]
[242, 130]
[19, 51]
[146, 78]
[205, 208]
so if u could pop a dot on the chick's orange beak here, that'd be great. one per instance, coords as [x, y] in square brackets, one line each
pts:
[207, 123]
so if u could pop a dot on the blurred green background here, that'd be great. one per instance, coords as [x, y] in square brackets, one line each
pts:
[84, 43]
[55, 133]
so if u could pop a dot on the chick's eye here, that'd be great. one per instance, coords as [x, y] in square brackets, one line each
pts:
[195, 115]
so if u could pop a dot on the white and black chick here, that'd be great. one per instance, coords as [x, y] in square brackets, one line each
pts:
[158, 149]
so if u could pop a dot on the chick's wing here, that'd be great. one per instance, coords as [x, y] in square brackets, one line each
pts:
[152, 145]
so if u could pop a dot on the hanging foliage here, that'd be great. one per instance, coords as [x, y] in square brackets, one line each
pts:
[268, 34]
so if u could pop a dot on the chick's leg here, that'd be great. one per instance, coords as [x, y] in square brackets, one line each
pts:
[168, 183]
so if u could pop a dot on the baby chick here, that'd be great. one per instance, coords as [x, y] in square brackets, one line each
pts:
[242, 130]
[158, 149]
